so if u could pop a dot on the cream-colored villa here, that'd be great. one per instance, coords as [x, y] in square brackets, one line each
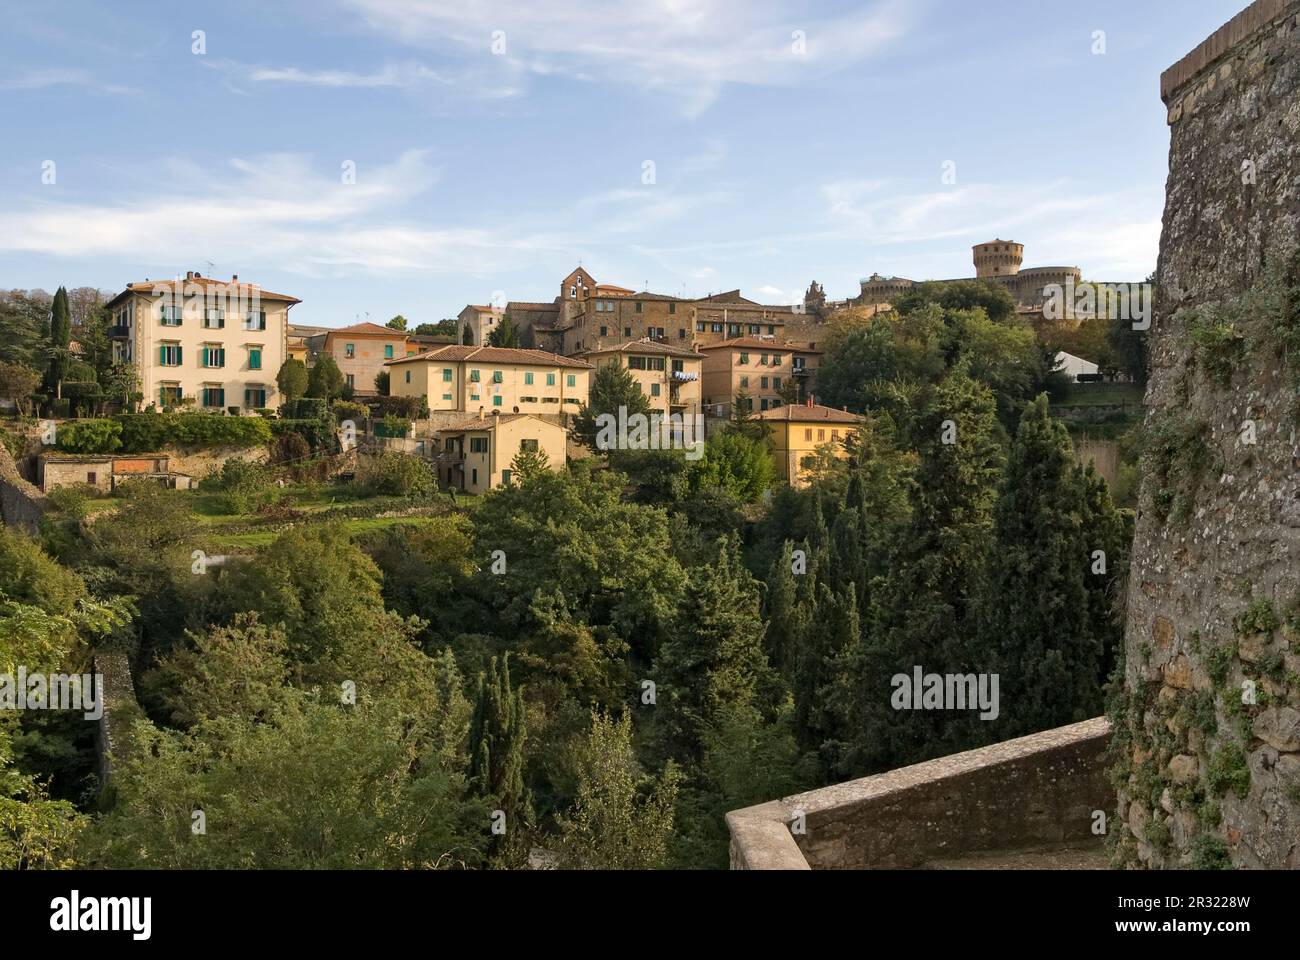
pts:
[486, 380]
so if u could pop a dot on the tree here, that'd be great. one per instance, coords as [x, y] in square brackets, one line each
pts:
[397, 323]
[467, 336]
[443, 328]
[60, 338]
[621, 819]
[735, 464]
[122, 385]
[18, 382]
[292, 379]
[325, 381]
[528, 464]
[24, 330]
[506, 334]
[497, 738]
[1048, 652]
[382, 380]
[714, 658]
[612, 388]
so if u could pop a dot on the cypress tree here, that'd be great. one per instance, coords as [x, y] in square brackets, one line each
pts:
[497, 735]
[786, 615]
[1049, 656]
[60, 339]
[832, 634]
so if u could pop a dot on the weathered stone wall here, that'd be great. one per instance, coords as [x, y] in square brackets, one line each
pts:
[21, 504]
[1208, 736]
[1039, 791]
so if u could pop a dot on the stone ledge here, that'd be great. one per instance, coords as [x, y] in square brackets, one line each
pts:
[1259, 14]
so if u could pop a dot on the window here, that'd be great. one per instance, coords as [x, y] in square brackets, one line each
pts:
[776, 359]
[528, 379]
[753, 328]
[254, 358]
[446, 375]
[638, 306]
[352, 381]
[388, 351]
[572, 380]
[654, 389]
[771, 328]
[169, 355]
[679, 366]
[744, 357]
[214, 396]
[497, 377]
[529, 446]
[776, 383]
[603, 332]
[253, 320]
[763, 383]
[478, 444]
[408, 376]
[171, 316]
[600, 306]
[350, 350]
[821, 435]
[474, 476]
[717, 328]
[672, 308]
[255, 398]
[214, 318]
[699, 326]
[763, 404]
[496, 401]
[645, 363]
[733, 329]
[744, 382]
[835, 434]
[681, 333]
[446, 396]
[211, 355]
[90, 476]
[763, 360]
[473, 376]
[627, 331]
[807, 435]
[169, 394]
[550, 379]
[505, 476]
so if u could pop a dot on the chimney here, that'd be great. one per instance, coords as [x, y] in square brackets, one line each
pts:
[189, 274]
[234, 278]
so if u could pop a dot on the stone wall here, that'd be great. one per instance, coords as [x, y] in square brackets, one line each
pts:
[121, 710]
[21, 504]
[1042, 792]
[1208, 735]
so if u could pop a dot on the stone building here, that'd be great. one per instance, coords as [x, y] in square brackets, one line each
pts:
[669, 376]
[360, 351]
[763, 370]
[1209, 737]
[996, 260]
[216, 344]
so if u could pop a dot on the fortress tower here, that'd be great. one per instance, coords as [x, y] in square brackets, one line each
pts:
[999, 258]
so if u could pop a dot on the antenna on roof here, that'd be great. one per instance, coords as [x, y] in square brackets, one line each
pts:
[210, 266]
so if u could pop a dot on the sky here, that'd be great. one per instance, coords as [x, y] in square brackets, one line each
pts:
[383, 157]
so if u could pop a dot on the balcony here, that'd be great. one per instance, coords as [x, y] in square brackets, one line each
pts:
[119, 333]
[1029, 803]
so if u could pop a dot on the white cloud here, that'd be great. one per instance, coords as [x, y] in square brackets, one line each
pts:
[46, 78]
[690, 48]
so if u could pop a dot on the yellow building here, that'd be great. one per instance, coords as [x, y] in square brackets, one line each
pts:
[216, 343]
[300, 340]
[475, 456]
[669, 376]
[762, 369]
[485, 380]
[361, 351]
[797, 430]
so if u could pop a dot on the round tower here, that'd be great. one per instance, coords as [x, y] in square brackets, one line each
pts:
[998, 258]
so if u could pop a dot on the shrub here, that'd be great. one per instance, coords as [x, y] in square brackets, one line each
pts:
[289, 447]
[71, 500]
[393, 426]
[89, 436]
[1229, 770]
[307, 408]
[152, 431]
[394, 474]
[318, 434]
[244, 485]
[347, 410]
[413, 408]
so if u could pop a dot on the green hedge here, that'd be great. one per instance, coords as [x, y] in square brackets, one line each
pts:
[306, 408]
[152, 431]
[89, 436]
[319, 434]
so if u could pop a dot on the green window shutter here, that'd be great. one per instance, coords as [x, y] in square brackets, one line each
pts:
[550, 379]
[178, 356]
[573, 380]
[221, 357]
[446, 375]
[162, 355]
[496, 401]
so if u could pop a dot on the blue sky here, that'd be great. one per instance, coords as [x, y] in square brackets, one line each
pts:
[497, 144]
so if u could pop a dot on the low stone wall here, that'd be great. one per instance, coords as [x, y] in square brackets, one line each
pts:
[1040, 790]
[121, 709]
[21, 504]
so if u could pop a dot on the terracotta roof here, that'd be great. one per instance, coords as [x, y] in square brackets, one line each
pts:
[234, 287]
[613, 288]
[752, 343]
[802, 413]
[527, 305]
[642, 346]
[372, 329]
[458, 352]
[486, 423]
